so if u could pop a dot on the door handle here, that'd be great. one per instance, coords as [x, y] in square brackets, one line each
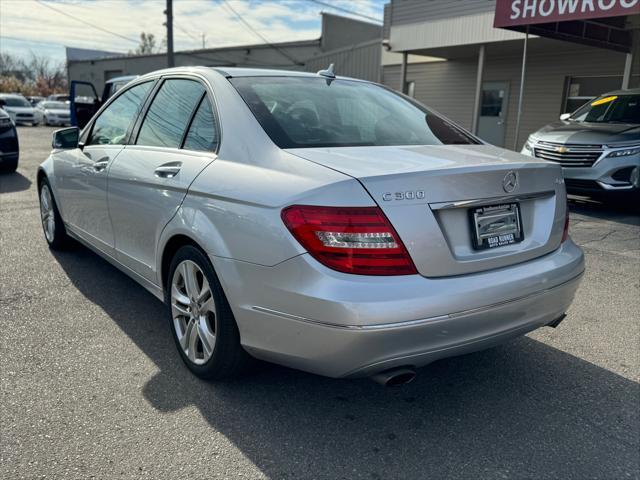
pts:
[100, 165]
[168, 170]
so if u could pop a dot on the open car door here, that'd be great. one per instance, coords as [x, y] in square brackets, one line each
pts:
[84, 102]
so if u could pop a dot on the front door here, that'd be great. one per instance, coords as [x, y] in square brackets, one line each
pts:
[493, 112]
[83, 172]
[82, 187]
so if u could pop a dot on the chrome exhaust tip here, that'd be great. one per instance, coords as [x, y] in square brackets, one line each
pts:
[395, 377]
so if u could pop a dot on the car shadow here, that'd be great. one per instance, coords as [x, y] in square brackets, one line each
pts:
[617, 210]
[523, 410]
[13, 182]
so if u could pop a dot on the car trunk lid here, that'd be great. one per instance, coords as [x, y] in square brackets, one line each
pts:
[429, 194]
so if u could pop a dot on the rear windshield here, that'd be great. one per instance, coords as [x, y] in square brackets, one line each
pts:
[610, 109]
[315, 112]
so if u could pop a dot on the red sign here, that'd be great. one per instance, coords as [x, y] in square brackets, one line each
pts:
[527, 12]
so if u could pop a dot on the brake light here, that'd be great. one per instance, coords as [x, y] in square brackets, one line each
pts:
[358, 240]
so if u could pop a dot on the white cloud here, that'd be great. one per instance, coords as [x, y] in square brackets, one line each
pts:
[278, 21]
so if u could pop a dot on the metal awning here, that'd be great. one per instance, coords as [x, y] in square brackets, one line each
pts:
[610, 24]
[598, 23]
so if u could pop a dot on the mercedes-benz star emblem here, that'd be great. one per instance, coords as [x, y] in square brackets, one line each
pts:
[510, 182]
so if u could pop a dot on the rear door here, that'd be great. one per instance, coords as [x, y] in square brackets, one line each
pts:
[176, 139]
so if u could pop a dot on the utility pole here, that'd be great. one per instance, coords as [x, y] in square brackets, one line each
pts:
[204, 39]
[169, 23]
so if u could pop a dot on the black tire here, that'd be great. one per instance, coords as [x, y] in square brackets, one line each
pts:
[228, 359]
[60, 240]
[9, 166]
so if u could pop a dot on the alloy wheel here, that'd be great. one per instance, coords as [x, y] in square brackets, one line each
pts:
[47, 213]
[194, 312]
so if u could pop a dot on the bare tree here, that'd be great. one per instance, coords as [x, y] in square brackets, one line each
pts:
[37, 75]
[11, 66]
[147, 45]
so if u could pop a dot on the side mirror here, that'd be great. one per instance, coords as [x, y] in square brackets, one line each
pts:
[565, 116]
[66, 138]
[2, 102]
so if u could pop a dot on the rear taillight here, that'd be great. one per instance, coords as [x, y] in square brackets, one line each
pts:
[565, 232]
[356, 240]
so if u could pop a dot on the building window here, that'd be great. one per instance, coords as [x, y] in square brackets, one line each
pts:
[581, 90]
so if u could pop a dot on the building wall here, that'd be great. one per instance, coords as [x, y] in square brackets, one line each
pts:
[339, 32]
[262, 56]
[473, 29]
[403, 12]
[360, 61]
[449, 86]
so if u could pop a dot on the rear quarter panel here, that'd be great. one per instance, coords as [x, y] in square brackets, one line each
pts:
[233, 207]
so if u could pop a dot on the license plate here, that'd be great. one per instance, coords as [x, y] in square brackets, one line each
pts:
[496, 226]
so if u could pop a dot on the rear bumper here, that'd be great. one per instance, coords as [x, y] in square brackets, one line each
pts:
[8, 157]
[305, 316]
[9, 148]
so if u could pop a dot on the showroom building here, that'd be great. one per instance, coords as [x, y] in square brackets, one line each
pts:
[465, 58]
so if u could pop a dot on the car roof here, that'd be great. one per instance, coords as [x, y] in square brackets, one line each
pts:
[629, 91]
[124, 78]
[232, 72]
[260, 72]
[17, 95]
[235, 72]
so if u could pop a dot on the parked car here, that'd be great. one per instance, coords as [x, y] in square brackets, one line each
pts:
[34, 100]
[323, 223]
[55, 113]
[59, 97]
[83, 107]
[9, 148]
[20, 109]
[598, 145]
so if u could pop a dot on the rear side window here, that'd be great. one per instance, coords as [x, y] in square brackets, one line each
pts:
[111, 127]
[167, 118]
[203, 134]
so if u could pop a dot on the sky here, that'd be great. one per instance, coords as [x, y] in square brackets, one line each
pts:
[38, 26]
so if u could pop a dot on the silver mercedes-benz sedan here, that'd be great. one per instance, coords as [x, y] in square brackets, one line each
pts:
[319, 222]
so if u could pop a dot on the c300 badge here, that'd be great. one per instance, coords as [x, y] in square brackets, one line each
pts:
[408, 195]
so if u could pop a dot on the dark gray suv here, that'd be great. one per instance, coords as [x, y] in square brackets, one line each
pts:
[598, 145]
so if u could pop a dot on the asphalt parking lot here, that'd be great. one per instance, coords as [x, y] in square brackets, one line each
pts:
[93, 387]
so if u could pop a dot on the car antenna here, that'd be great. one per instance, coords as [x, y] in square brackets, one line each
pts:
[329, 73]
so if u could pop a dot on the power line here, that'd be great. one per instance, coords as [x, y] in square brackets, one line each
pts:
[183, 30]
[258, 34]
[346, 10]
[86, 23]
[26, 40]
